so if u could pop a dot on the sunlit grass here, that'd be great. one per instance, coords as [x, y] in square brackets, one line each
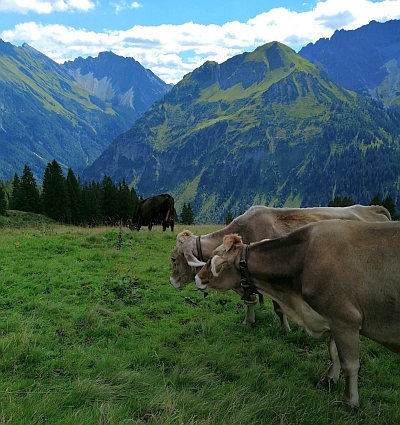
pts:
[93, 333]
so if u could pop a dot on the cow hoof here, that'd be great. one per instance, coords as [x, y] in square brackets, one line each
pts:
[285, 330]
[326, 382]
[248, 322]
[349, 408]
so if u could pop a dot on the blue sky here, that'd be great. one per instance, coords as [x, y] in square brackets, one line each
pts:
[172, 37]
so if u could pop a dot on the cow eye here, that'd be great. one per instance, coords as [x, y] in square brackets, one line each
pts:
[173, 260]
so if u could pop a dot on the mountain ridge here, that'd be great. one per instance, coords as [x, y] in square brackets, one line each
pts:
[366, 60]
[46, 114]
[123, 82]
[262, 134]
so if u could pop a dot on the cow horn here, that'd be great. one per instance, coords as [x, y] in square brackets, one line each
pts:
[192, 260]
[217, 265]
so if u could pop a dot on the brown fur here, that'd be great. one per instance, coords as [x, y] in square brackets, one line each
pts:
[260, 222]
[346, 282]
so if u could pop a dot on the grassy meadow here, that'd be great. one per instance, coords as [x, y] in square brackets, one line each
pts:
[91, 332]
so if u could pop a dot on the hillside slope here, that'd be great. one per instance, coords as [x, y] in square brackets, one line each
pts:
[366, 60]
[265, 127]
[46, 114]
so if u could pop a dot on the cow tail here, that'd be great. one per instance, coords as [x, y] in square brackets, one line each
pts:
[172, 209]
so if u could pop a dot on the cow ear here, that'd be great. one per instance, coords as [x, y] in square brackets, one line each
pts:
[217, 265]
[231, 240]
[192, 260]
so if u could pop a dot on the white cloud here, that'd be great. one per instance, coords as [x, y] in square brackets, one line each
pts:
[123, 4]
[171, 51]
[45, 6]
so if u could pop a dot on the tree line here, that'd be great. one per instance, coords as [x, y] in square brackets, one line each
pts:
[68, 200]
[386, 202]
[346, 201]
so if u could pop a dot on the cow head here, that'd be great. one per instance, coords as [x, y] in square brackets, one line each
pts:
[134, 226]
[184, 263]
[220, 272]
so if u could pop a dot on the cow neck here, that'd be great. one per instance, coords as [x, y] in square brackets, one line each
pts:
[199, 251]
[245, 280]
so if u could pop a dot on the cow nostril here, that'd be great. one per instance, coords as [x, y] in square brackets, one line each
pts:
[174, 284]
[199, 283]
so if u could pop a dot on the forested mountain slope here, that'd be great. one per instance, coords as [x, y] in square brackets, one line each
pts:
[265, 127]
[46, 113]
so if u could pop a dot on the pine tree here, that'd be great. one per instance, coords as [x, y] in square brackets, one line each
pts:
[3, 202]
[55, 200]
[376, 200]
[126, 201]
[187, 215]
[108, 201]
[29, 192]
[228, 218]
[74, 198]
[91, 195]
[341, 202]
[184, 214]
[16, 201]
[389, 205]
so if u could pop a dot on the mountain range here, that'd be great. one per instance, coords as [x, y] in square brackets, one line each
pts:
[265, 127]
[268, 127]
[365, 60]
[67, 112]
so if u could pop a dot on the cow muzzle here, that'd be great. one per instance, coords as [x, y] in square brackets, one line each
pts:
[174, 284]
[199, 284]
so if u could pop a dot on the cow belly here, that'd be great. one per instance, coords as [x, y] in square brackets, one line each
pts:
[384, 327]
[300, 312]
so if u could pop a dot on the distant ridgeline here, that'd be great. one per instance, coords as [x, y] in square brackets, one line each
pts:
[266, 127]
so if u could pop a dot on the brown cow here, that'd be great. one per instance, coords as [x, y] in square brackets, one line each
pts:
[338, 278]
[258, 222]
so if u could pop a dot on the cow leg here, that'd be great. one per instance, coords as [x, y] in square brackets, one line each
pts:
[333, 373]
[150, 226]
[164, 225]
[282, 318]
[347, 341]
[250, 315]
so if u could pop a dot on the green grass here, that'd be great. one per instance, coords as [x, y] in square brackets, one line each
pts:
[93, 333]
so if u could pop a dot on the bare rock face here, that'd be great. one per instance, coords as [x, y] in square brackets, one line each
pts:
[123, 82]
[366, 60]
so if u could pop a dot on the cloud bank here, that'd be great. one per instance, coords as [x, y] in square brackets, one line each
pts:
[171, 51]
[45, 6]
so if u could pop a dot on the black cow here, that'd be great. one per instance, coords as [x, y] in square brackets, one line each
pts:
[158, 209]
